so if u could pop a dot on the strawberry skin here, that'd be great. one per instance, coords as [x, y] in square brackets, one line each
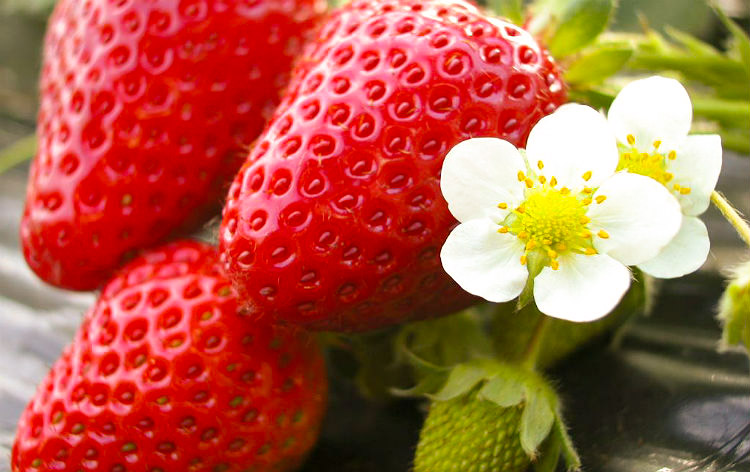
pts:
[166, 375]
[339, 204]
[472, 435]
[146, 109]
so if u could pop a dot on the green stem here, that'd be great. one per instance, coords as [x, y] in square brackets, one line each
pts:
[18, 152]
[531, 354]
[732, 215]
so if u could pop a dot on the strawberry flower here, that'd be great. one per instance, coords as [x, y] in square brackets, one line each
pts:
[558, 215]
[651, 119]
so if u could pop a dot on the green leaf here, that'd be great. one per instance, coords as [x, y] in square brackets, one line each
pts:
[598, 64]
[461, 380]
[536, 421]
[18, 152]
[503, 390]
[741, 38]
[510, 9]
[570, 25]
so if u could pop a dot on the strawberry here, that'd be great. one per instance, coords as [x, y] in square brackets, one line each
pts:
[166, 375]
[338, 205]
[146, 108]
[471, 434]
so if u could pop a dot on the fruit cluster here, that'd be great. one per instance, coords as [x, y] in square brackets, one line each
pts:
[195, 358]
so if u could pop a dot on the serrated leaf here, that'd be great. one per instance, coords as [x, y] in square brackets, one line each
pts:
[536, 421]
[598, 64]
[461, 380]
[570, 25]
[503, 391]
[741, 38]
[510, 9]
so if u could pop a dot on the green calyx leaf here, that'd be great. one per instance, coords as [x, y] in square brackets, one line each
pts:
[567, 26]
[537, 420]
[504, 391]
[462, 379]
[501, 389]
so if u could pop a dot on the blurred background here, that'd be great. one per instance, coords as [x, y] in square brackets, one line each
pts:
[664, 401]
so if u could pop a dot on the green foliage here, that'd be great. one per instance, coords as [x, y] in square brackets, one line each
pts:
[567, 26]
[510, 9]
[734, 308]
[499, 391]
[741, 39]
[596, 64]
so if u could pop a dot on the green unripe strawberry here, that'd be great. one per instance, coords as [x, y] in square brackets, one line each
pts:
[467, 434]
[734, 308]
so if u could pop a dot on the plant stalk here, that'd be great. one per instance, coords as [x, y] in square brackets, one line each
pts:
[732, 216]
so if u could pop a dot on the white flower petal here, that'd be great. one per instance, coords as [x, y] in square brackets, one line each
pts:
[572, 141]
[639, 215]
[656, 108]
[484, 262]
[480, 173]
[584, 288]
[686, 253]
[697, 166]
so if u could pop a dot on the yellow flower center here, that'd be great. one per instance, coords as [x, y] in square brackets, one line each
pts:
[551, 220]
[651, 164]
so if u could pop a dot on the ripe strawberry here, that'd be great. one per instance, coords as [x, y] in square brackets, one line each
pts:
[470, 434]
[339, 205]
[145, 110]
[166, 375]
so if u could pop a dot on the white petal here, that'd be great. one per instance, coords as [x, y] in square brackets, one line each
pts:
[572, 141]
[484, 262]
[686, 253]
[584, 288]
[639, 215]
[697, 166]
[480, 173]
[656, 108]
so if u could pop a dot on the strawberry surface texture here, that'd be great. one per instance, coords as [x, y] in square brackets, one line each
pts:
[165, 375]
[147, 109]
[338, 206]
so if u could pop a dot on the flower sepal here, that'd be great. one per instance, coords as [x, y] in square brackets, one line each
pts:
[518, 398]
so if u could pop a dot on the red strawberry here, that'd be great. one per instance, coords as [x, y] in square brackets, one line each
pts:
[339, 206]
[166, 375]
[146, 107]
